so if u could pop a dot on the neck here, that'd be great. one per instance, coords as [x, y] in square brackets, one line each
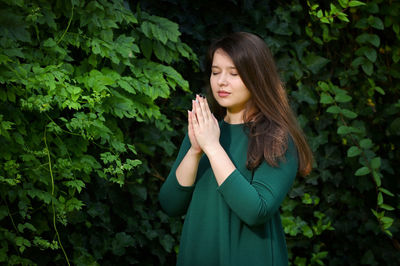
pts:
[234, 117]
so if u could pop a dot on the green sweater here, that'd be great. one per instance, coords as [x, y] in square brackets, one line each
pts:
[237, 223]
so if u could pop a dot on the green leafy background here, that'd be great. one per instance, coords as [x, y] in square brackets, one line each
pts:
[93, 104]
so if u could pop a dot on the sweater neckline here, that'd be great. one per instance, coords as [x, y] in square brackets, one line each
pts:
[232, 125]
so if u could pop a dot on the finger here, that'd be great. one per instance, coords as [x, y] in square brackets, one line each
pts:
[210, 115]
[199, 112]
[203, 107]
[193, 119]
[189, 121]
[215, 120]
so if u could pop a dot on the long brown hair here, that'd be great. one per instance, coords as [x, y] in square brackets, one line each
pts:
[272, 121]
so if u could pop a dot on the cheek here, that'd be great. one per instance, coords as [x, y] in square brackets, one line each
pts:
[213, 83]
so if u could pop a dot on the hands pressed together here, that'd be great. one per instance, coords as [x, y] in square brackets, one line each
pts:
[203, 128]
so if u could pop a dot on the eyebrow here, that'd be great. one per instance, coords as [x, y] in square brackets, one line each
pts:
[231, 67]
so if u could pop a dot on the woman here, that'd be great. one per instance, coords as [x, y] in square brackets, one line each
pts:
[230, 177]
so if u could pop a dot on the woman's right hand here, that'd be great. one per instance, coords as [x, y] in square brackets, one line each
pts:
[195, 145]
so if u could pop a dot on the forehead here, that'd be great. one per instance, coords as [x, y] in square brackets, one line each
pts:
[222, 59]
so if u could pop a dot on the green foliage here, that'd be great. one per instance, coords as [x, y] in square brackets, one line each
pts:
[93, 107]
[339, 60]
[80, 94]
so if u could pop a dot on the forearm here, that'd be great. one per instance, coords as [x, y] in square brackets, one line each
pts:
[187, 169]
[221, 164]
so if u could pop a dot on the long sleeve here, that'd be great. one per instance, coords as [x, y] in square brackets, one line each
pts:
[255, 203]
[173, 197]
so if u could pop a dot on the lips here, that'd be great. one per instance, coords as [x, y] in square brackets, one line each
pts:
[222, 93]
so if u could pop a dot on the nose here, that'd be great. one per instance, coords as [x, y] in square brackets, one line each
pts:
[222, 79]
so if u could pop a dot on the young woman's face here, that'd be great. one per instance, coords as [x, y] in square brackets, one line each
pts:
[227, 86]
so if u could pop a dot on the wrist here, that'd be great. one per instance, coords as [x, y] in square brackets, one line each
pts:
[195, 152]
[213, 149]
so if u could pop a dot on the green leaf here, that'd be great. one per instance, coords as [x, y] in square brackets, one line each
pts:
[386, 207]
[387, 222]
[376, 163]
[385, 191]
[362, 171]
[380, 90]
[377, 178]
[315, 62]
[353, 151]
[366, 143]
[380, 199]
[121, 241]
[368, 38]
[74, 204]
[376, 22]
[358, 61]
[146, 29]
[343, 17]
[146, 46]
[326, 98]
[343, 98]
[343, 3]
[334, 109]
[370, 53]
[49, 43]
[354, 3]
[78, 184]
[342, 130]
[307, 231]
[167, 241]
[368, 68]
[349, 114]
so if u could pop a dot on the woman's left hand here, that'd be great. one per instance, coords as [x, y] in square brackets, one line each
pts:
[205, 125]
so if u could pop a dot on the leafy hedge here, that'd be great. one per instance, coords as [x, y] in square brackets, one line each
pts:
[83, 126]
[93, 108]
[339, 60]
